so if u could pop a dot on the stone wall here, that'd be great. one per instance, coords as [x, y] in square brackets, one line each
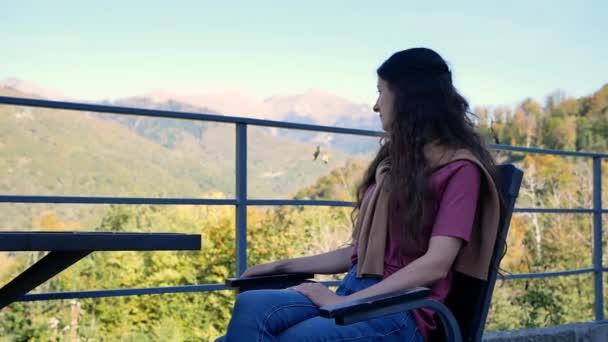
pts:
[580, 332]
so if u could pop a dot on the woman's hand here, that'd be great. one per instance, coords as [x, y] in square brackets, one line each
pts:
[319, 294]
[262, 269]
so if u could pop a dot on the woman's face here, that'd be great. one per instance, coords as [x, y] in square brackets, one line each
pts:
[384, 104]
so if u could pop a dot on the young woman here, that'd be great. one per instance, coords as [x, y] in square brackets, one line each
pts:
[427, 206]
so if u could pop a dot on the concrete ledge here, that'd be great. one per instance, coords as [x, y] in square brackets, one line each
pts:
[579, 332]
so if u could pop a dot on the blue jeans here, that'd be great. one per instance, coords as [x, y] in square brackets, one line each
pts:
[286, 315]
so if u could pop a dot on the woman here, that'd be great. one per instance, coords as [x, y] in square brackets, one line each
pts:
[427, 206]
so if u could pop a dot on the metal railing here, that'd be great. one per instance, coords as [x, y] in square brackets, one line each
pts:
[241, 202]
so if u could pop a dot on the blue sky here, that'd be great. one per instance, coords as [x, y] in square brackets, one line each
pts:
[500, 52]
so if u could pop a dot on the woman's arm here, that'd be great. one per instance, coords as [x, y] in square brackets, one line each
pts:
[432, 266]
[333, 262]
[453, 225]
[337, 261]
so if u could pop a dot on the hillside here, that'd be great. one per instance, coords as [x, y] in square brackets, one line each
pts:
[51, 152]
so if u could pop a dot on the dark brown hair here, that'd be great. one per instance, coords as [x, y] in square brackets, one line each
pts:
[427, 108]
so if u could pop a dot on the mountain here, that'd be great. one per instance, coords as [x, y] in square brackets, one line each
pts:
[264, 148]
[324, 108]
[56, 152]
[315, 107]
[161, 130]
[230, 102]
[29, 89]
[319, 106]
[357, 144]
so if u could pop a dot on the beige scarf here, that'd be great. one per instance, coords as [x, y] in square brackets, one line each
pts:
[371, 227]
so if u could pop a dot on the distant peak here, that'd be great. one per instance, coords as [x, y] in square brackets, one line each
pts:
[14, 83]
[31, 88]
[318, 92]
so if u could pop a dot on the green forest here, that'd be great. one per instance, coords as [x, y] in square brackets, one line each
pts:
[536, 242]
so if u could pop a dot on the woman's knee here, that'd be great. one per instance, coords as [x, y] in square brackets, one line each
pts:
[246, 298]
[246, 301]
[256, 301]
[268, 311]
[255, 297]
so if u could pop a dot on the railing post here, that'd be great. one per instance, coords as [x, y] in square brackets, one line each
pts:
[241, 198]
[597, 239]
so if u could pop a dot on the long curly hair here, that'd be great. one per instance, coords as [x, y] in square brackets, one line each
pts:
[427, 107]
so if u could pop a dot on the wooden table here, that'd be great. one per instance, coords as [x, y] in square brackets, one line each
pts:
[66, 248]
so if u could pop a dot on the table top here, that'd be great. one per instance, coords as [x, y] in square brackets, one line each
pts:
[15, 241]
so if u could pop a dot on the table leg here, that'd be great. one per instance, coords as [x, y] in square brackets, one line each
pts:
[43, 270]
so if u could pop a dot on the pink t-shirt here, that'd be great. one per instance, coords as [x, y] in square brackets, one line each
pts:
[452, 213]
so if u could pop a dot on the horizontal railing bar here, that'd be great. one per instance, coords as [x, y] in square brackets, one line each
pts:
[547, 274]
[554, 210]
[114, 200]
[121, 292]
[548, 151]
[202, 201]
[166, 201]
[211, 201]
[221, 287]
[248, 121]
[326, 203]
[134, 292]
[181, 115]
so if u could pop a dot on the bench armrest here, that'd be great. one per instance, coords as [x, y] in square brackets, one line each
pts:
[382, 305]
[275, 281]
[371, 303]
